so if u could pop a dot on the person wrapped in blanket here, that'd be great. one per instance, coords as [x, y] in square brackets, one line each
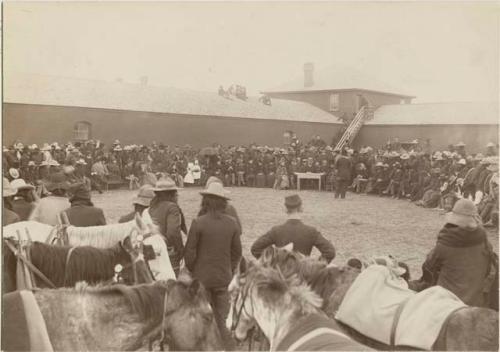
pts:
[462, 260]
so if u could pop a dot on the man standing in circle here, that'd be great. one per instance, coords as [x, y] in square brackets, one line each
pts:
[343, 176]
[166, 213]
[303, 237]
[213, 251]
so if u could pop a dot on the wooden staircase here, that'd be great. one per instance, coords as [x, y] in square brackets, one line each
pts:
[364, 114]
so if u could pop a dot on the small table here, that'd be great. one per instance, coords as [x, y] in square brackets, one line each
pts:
[309, 176]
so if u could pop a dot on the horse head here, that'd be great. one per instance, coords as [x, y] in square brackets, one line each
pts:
[397, 268]
[263, 292]
[188, 320]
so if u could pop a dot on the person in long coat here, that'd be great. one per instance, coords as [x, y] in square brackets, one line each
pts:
[229, 210]
[82, 212]
[166, 213]
[343, 177]
[213, 251]
[303, 237]
[461, 259]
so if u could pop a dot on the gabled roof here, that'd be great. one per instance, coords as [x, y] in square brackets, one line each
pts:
[462, 113]
[60, 91]
[339, 78]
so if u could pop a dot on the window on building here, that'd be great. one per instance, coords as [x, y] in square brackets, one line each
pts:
[334, 102]
[82, 131]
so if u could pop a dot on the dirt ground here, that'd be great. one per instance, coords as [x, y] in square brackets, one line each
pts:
[360, 226]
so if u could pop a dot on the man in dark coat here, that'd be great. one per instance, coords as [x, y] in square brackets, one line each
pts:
[8, 216]
[82, 212]
[303, 237]
[23, 202]
[461, 259]
[343, 166]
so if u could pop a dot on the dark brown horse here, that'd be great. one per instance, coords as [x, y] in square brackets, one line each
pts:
[470, 328]
[65, 266]
[122, 318]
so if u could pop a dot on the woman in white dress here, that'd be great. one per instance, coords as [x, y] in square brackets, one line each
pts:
[189, 178]
[196, 172]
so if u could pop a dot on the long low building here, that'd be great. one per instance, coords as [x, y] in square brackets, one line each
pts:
[437, 125]
[41, 109]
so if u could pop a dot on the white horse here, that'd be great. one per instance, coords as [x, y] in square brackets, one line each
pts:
[102, 237]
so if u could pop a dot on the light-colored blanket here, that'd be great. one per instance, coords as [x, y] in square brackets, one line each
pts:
[423, 316]
[371, 303]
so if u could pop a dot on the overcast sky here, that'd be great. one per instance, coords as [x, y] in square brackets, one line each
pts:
[436, 51]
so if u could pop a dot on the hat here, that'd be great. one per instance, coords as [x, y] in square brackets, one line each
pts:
[145, 195]
[362, 151]
[379, 164]
[215, 189]
[81, 162]
[8, 190]
[213, 179]
[415, 141]
[45, 147]
[386, 165]
[118, 149]
[165, 185]
[293, 201]
[78, 191]
[369, 149]
[490, 145]
[116, 141]
[19, 146]
[57, 181]
[405, 156]
[462, 162]
[5, 149]
[464, 214]
[14, 173]
[19, 183]
[54, 162]
[31, 163]
[394, 154]
[44, 163]
[485, 161]
[460, 144]
[34, 146]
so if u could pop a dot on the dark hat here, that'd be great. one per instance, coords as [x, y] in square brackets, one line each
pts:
[57, 181]
[293, 201]
[78, 191]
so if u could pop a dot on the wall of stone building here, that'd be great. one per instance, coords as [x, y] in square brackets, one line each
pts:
[42, 123]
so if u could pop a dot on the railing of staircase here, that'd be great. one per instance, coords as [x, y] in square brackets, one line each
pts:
[352, 127]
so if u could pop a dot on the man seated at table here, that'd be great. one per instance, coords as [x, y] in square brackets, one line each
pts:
[303, 237]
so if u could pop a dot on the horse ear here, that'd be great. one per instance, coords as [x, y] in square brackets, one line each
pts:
[289, 247]
[195, 287]
[267, 255]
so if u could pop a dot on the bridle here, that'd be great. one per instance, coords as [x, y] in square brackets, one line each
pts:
[236, 316]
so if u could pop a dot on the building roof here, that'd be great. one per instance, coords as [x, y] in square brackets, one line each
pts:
[61, 91]
[463, 113]
[340, 78]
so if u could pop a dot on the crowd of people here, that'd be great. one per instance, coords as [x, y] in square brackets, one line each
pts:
[53, 184]
[429, 179]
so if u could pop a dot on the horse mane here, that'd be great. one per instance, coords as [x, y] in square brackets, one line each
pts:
[99, 236]
[85, 264]
[306, 301]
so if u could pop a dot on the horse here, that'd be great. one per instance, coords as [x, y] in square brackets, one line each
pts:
[123, 318]
[101, 237]
[65, 266]
[287, 311]
[470, 328]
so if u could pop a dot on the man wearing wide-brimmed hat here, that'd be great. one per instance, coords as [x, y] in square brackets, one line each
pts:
[47, 209]
[140, 203]
[167, 215]
[213, 251]
[303, 237]
[23, 201]
[82, 212]
[460, 260]
[8, 215]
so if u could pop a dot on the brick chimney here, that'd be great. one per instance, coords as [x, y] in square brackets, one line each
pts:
[308, 74]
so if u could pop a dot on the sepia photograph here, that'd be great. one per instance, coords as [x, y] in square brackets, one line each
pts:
[250, 175]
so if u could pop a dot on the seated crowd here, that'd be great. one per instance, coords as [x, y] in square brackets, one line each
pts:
[430, 179]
